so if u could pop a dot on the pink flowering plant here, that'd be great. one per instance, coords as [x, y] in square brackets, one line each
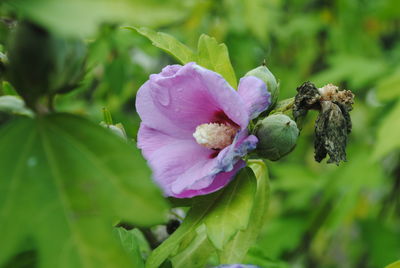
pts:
[205, 138]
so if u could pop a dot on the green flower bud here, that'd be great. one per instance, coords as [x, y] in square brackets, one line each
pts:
[265, 74]
[277, 135]
[41, 63]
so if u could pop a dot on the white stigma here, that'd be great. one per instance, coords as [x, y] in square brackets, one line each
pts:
[214, 135]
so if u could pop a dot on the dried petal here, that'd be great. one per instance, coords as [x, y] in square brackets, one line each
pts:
[307, 98]
[331, 130]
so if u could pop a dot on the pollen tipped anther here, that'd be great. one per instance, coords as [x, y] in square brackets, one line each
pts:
[215, 135]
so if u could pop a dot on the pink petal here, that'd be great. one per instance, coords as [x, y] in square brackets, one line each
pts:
[254, 94]
[219, 181]
[169, 157]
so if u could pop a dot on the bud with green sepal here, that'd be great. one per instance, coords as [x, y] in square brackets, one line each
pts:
[43, 64]
[265, 75]
[277, 135]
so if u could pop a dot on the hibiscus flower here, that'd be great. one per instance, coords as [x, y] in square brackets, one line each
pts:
[194, 127]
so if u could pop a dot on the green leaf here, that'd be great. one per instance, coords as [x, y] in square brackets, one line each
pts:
[215, 57]
[63, 183]
[236, 249]
[167, 43]
[388, 134]
[82, 17]
[14, 105]
[232, 210]
[197, 253]
[389, 87]
[130, 240]
[210, 53]
[188, 226]
[224, 205]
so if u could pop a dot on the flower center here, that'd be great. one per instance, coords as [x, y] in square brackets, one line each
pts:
[214, 135]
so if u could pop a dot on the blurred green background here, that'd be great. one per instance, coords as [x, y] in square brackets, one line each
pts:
[320, 215]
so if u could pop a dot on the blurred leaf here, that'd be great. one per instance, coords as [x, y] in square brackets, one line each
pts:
[168, 43]
[258, 9]
[215, 57]
[235, 250]
[14, 105]
[389, 87]
[63, 183]
[115, 75]
[286, 233]
[82, 17]
[383, 240]
[359, 71]
[7, 89]
[388, 133]
[206, 210]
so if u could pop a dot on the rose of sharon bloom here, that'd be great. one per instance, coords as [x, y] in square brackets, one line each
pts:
[194, 127]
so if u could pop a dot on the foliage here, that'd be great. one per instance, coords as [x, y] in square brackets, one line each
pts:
[318, 215]
[63, 189]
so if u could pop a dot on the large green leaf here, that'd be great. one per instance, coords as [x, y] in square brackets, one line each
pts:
[221, 212]
[232, 210]
[210, 54]
[82, 17]
[63, 183]
[214, 56]
[236, 249]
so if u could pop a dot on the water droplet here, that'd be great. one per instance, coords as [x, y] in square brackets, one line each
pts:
[32, 161]
[163, 97]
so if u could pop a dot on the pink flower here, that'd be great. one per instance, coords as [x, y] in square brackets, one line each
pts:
[194, 127]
